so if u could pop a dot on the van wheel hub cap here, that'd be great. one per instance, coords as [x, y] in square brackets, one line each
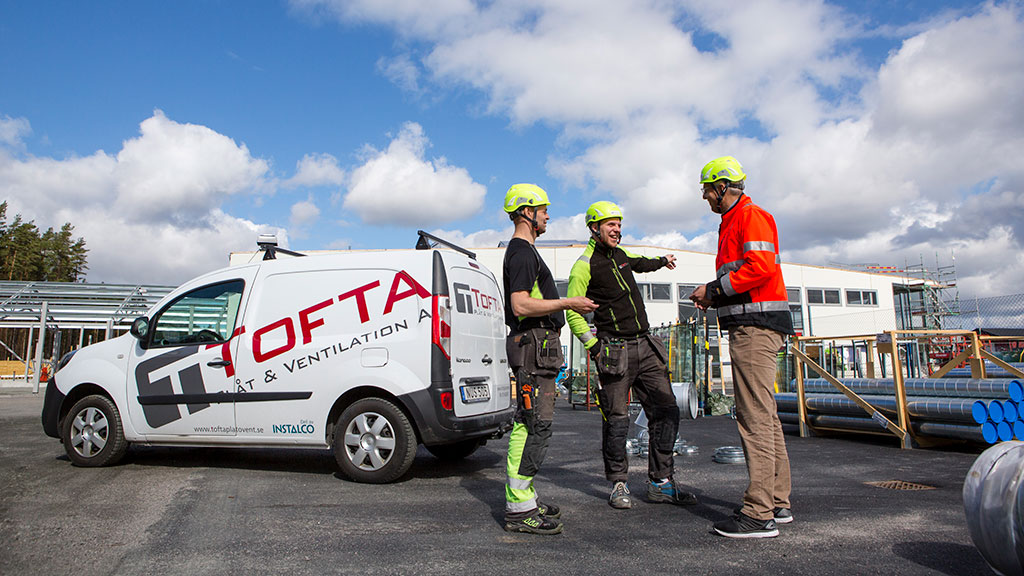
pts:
[370, 441]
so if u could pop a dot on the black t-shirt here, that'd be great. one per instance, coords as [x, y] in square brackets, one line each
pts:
[523, 271]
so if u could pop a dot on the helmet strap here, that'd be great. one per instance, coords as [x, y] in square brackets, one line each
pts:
[522, 212]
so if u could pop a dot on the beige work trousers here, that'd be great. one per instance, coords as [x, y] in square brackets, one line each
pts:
[753, 352]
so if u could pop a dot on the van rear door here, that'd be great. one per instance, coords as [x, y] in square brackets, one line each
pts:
[480, 379]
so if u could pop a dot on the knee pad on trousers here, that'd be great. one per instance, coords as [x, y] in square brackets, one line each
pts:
[538, 433]
[663, 424]
[615, 430]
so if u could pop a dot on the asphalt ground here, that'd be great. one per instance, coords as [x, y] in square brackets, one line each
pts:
[259, 511]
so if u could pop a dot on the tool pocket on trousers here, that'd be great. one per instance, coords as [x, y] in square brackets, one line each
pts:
[548, 348]
[611, 361]
[515, 350]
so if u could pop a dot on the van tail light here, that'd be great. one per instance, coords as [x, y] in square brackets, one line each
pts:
[446, 401]
[441, 332]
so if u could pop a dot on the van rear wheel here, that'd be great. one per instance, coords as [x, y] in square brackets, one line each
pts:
[92, 432]
[374, 441]
[456, 451]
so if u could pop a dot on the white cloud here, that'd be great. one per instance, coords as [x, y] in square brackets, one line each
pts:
[303, 215]
[400, 186]
[150, 214]
[480, 239]
[401, 71]
[12, 130]
[316, 170]
[181, 171]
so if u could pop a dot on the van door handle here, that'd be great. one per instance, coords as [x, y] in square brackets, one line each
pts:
[486, 359]
[219, 363]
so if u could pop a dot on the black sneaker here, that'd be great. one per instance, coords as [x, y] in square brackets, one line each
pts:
[743, 526]
[670, 492]
[533, 524]
[782, 515]
[548, 510]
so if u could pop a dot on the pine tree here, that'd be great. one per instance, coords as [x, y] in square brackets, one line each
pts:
[28, 255]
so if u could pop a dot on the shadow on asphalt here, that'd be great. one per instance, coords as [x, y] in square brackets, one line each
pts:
[311, 461]
[930, 555]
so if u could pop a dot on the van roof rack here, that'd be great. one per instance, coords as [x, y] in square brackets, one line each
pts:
[424, 244]
[268, 245]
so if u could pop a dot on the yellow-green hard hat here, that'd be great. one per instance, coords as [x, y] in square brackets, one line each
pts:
[520, 195]
[724, 168]
[603, 210]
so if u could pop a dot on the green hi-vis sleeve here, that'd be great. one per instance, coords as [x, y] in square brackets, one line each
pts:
[579, 280]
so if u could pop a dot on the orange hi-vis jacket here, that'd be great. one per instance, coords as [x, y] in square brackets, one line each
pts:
[749, 290]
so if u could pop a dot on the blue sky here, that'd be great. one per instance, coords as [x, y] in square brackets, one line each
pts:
[171, 133]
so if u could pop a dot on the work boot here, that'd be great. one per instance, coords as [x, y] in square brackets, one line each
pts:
[620, 497]
[743, 526]
[548, 510]
[534, 523]
[669, 491]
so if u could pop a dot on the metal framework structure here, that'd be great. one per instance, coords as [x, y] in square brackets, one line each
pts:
[74, 305]
[55, 306]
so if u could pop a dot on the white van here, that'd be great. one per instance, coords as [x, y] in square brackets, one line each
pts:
[363, 353]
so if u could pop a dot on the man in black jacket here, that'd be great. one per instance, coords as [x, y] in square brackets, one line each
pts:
[627, 356]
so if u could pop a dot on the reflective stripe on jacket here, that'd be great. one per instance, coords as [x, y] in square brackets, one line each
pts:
[750, 290]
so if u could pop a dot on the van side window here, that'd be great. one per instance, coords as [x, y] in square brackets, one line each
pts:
[204, 315]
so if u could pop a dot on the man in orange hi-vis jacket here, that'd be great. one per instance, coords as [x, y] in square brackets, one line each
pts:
[752, 304]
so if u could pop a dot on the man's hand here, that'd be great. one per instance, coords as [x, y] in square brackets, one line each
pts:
[699, 297]
[670, 262]
[580, 304]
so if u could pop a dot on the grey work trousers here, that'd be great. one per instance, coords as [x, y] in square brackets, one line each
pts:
[645, 372]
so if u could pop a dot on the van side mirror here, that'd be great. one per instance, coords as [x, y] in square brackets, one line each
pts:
[140, 328]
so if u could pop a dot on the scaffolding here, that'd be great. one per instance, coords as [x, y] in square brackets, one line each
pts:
[931, 301]
[41, 318]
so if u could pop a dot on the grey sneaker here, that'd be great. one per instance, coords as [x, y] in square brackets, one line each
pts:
[782, 515]
[743, 526]
[620, 497]
[670, 492]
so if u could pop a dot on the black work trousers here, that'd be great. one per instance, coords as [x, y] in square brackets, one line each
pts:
[638, 364]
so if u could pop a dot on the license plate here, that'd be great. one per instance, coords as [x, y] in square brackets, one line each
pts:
[472, 393]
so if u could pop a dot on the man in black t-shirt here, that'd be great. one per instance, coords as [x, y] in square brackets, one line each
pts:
[534, 315]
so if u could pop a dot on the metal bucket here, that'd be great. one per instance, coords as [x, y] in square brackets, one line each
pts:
[994, 506]
[729, 455]
[686, 399]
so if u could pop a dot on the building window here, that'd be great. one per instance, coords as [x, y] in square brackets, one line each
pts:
[824, 296]
[796, 309]
[861, 298]
[684, 291]
[794, 295]
[797, 313]
[655, 292]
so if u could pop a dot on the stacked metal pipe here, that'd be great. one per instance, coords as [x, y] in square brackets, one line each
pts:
[966, 409]
[991, 370]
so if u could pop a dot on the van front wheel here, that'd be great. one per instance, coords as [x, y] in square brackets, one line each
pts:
[374, 441]
[92, 433]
